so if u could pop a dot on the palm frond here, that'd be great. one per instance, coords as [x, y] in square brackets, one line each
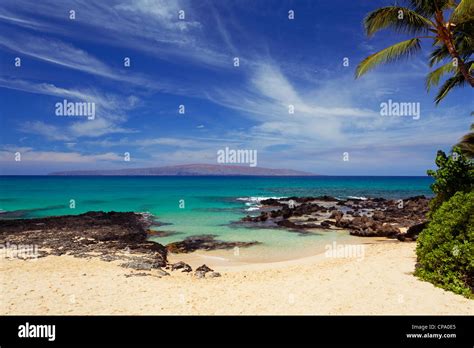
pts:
[439, 54]
[455, 81]
[429, 7]
[401, 19]
[463, 33]
[433, 78]
[389, 54]
[467, 144]
[463, 11]
[464, 45]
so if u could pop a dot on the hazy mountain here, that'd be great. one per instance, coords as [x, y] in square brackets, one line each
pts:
[190, 170]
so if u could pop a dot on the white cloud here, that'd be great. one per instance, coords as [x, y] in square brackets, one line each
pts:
[193, 143]
[30, 155]
[150, 26]
[96, 128]
[165, 12]
[110, 111]
[40, 128]
[55, 51]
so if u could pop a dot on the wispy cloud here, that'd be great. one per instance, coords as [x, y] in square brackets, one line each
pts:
[40, 128]
[123, 21]
[28, 155]
[189, 61]
[110, 111]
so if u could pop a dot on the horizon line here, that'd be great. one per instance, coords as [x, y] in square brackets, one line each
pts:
[215, 175]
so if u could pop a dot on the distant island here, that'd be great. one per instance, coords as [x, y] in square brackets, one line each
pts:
[191, 170]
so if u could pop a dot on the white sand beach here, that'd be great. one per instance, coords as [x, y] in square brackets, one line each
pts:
[379, 283]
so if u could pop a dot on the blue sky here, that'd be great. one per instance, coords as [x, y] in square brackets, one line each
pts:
[190, 62]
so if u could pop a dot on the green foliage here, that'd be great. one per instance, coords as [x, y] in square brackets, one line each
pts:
[455, 173]
[463, 11]
[445, 249]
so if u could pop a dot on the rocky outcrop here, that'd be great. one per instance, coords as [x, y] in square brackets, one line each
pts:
[204, 242]
[413, 232]
[373, 217]
[111, 236]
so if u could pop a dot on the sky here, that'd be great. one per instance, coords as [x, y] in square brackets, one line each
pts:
[336, 127]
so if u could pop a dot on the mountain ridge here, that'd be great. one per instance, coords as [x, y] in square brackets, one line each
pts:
[188, 170]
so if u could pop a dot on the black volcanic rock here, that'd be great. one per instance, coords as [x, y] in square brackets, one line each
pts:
[184, 267]
[287, 224]
[413, 232]
[204, 268]
[203, 271]
[86, 235]
[204, 242]
[272, 202]
[362, 217]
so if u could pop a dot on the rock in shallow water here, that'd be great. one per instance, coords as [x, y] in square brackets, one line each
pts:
[372, 217]
[204, 242]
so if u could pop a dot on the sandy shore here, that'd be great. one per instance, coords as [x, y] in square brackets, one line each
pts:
[379, 283]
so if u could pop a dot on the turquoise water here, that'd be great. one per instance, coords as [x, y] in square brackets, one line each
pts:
[210, 203]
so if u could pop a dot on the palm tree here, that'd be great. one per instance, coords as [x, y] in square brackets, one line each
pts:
[452, 39]
[467, 143]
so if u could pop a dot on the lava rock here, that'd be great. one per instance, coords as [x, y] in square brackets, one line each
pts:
[204, 242]
[200, 274]
[378, 215]
[162, 272]
[204, 269]
[138, 265]
[287, 224]
[92, 233]
[415, 230]
[181, 265]
[325, 224]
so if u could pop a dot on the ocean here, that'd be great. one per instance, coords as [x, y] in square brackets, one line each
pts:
[189, 206]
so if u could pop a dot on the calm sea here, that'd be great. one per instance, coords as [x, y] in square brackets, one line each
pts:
[196, 205]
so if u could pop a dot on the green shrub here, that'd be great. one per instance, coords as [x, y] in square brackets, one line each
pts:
[455, 173]
[445, 249]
